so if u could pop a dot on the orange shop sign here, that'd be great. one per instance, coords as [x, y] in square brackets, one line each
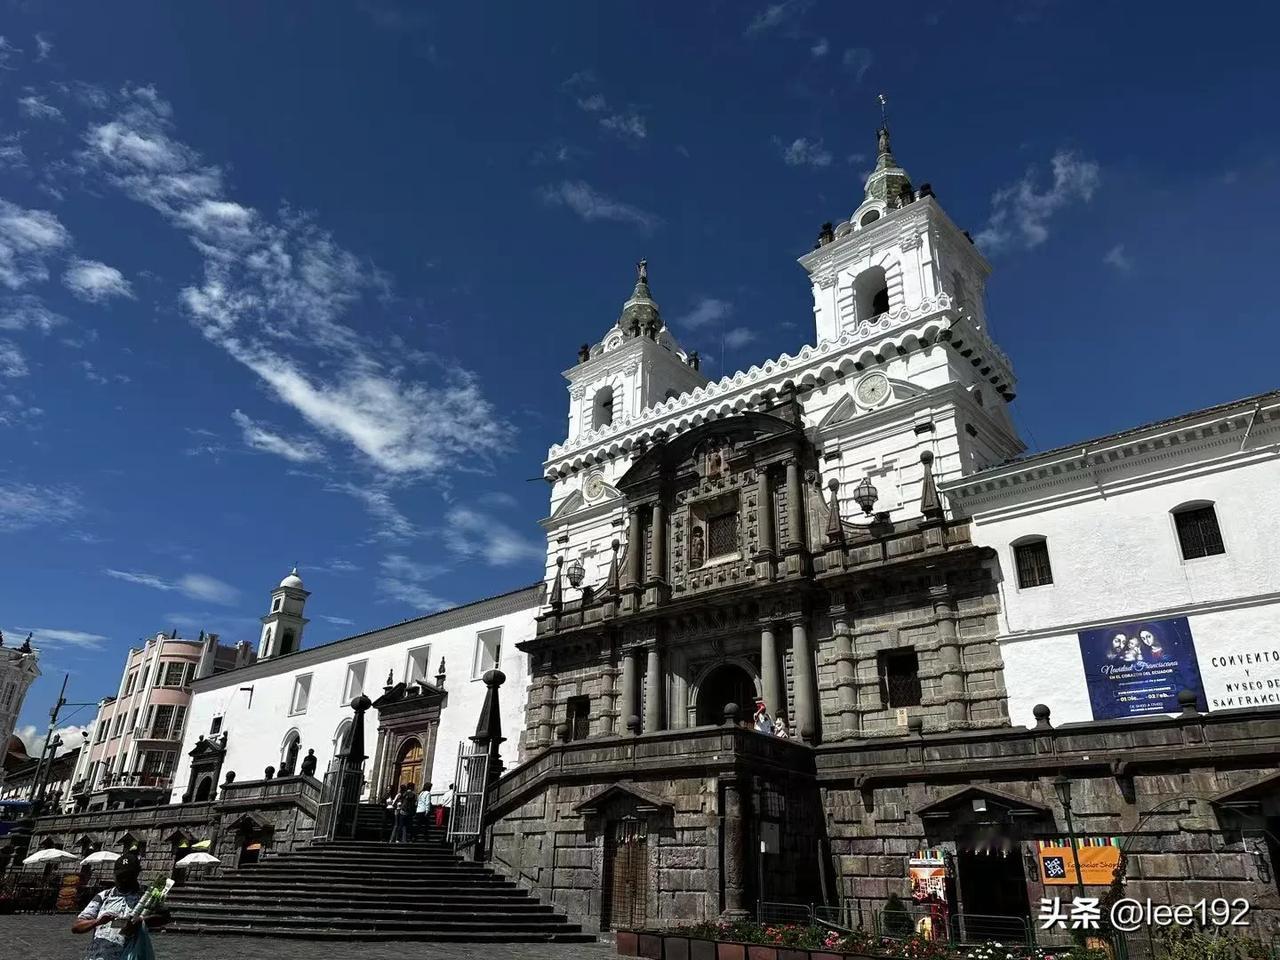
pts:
[1099, 857]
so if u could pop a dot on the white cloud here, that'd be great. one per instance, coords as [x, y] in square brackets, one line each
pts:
[591, 205]
[708, 310]
[391, 523]
[11, 153]
[1020, 212]
[38, 108]
[593, 103]
[296, 449]
[474, 535]
[629, 126]
[26, 238]
[23, 506]
[50, 637]
[26, 312]
[738, 337]
[406, 580]
[12, 362]
[334, 566]
[857, 60]
[7, 52]
[820, 49]
[197, 586]
[32, 738]
[94, 281]
[776, 14]
[338, 621]
[804, 153]
[275, 295]
[1117, 258]
[44, 47]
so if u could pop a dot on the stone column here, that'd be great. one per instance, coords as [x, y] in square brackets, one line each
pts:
[953, 687]
[610, 675]
[764, 510]
[548, 711]
[771, 681]
[654, 689]
[846, 677]
[795, 507]
[635, 548]
[658, 525]
[806, 714]
[630, 682]
[678, 717]
[734, 838]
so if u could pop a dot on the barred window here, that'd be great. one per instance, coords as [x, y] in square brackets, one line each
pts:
[579, 718]
[1032, 561]
[722, 535]
[899, 677]
[1198, 533]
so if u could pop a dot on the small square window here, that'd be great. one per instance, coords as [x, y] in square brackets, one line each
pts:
[899, 678]
[215, 725]
[1198, 533]
[579, 718]
[722, 535]
[355, 681]
[488, 652]
[301, 694]
[1032, 560]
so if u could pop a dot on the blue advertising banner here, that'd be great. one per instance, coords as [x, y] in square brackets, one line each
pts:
[1136, 669]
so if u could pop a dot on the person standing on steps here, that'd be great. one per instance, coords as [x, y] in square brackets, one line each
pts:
[104, 916]
[444, 809]
[406, 804]
[422, 816]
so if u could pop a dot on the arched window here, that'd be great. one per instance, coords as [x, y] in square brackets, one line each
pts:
[871, 216]
[1031, 562]
[342, 737]
[602, 408]
[1198, 532]
[870, 294]
[204, 789]
[289, 752]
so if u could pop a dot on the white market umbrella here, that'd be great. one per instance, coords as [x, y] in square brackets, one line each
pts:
[100, 856]
[191, 859]
[49, 856]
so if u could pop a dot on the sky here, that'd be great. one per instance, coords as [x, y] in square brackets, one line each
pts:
[296, 283]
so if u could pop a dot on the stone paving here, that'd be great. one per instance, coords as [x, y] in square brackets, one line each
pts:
[44, 937]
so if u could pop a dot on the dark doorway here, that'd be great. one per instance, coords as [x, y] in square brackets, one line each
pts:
[727, 683]
[204, 789]
[993, 894]
[625, 901]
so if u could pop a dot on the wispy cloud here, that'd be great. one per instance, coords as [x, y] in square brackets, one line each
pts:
[804, 153]
[12, 362]
[1117, 258]
[336, 565]
[27, 238]
[708, 310]
[407, 581]
[295, 449]
[8, 53]
[38, 108]
[338, 621]
[26, 312]
[23, 506]
[591, 205]
[775, 15]
[197, 586]
[857, 60]
[94, 281]
[391, 523]
[820, 48]
[628, 126]
[626, 123]
[1020, 212]
[738, 337]
[44, 46]
[51, 637]
[275, 296]
[475, 535]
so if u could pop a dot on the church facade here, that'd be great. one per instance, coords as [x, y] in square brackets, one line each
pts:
[836, 535]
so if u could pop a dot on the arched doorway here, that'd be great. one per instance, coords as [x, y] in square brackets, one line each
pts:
[204, 788]
[409, 764]
[289, 758]
[727, 683]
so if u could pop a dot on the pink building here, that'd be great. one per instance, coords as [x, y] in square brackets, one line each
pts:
[134, 742]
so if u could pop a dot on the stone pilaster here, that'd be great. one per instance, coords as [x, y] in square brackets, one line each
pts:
[953, 686]
[771, 682]
[806, 682]
[734, 838]
[846, 676]
[630, 688]
[654, 689]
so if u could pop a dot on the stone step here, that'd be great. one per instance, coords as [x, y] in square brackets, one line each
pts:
[323, 933]
[362, 869]
[374, 920]
[231, 898]
[498, 913]
[305, 886]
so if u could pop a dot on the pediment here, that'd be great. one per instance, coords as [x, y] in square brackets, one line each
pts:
[1250, 795]
[964, 800]
[843, 410]
[645, 802]
[207, 748]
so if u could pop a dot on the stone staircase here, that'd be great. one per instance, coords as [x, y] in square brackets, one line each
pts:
[368, 890]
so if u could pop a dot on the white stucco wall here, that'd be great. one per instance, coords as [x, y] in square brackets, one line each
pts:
[1116, 560]
[257, 722]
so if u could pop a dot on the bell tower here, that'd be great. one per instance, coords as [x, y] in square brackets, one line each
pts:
[282, 626]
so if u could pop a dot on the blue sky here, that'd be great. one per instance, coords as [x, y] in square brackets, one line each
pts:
[286, 282]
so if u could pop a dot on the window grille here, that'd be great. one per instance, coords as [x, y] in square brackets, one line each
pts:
[1198, 533]
[899, 678]
[1032, 561]
[722, 535]
[173, 673]
[579, 718]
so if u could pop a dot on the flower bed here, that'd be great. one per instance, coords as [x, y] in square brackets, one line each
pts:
[790, 941]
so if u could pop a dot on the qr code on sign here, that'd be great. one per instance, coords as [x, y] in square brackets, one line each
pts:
[1055, 867]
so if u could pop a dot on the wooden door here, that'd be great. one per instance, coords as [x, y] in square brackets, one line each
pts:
[625, 903]
[409, 765]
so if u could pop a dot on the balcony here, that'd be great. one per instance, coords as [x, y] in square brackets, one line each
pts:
[138, 779]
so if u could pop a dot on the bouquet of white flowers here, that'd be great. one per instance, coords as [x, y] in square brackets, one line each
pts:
[139, 945]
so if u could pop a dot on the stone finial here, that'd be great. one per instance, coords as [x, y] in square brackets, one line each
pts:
[915, 725]
[562, 731]
[835, 526]
[730, 714]
[230, 777]
[1187, 700]
[390, 682]
[557, 591]
[827, 234]
[26, 645]
[584, 353]
[633, 724]
[1, 638]
[440, 674]
[269, 773]
[611, 582]
[1041, 713]
[930, 501]
[694, 360]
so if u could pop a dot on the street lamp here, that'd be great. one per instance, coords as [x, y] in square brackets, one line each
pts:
[576, 572]
[865, 495]
[1062, 786]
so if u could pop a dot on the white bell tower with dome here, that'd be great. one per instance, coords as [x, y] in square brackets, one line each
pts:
[283, 625]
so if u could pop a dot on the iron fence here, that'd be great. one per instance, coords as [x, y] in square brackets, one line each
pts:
[852, 914]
